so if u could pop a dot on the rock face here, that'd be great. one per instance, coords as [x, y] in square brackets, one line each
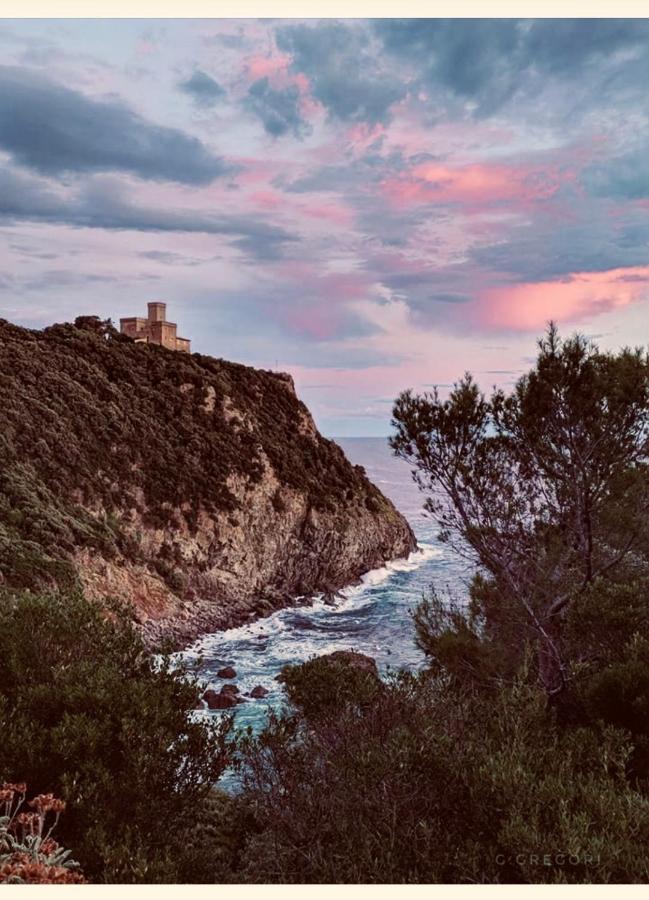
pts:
[226, 672]
[196, 490]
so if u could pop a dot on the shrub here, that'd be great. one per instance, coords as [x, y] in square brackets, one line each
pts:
[87, 714]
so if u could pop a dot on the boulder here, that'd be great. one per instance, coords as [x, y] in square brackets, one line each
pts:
[258, 692]
[226, 672]
[220, 700]
[231, 689]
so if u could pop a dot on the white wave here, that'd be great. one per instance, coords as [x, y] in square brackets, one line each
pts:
[417, 558]
[355, 597]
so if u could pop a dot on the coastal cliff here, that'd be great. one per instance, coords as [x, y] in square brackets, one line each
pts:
[196, 490]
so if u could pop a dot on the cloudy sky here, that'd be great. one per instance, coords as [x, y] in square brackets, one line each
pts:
[370, 205]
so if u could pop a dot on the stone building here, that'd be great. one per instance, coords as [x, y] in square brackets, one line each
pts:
[155, 329]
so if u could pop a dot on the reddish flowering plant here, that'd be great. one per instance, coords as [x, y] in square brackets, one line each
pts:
[28, 853]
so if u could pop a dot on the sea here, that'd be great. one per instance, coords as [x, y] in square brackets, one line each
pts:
[373, 617]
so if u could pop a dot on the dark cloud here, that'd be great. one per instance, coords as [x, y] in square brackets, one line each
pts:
[279, 110]
[202, 88]
[344, 178]
[168, 258]
[449, 298]
[53, 129]
[345, 75]
[103, 203]
[53, 278]
[473, 58]
[623, 177]
[543, 250]
[489, 61]
[230, 41]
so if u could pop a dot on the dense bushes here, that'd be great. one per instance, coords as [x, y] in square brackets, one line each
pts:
[87, 714]
[428, 778]
[431, 783]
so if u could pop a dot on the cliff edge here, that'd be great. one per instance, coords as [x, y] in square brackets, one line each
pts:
[197, 490]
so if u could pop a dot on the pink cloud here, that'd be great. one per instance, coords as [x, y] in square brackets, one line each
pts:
[255, 170]
[528, 307]
[360, 136]
[330, 211]
[315, 321]
[475, 185]
[266, 66]
[266, 199]
[329, 287]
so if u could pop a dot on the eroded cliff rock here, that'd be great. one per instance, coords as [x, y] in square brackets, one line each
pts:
[198, 491]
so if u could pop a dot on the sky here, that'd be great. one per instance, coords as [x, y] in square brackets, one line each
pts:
[370, 205]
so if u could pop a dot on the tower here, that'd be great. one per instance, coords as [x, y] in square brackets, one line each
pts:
[157, 311]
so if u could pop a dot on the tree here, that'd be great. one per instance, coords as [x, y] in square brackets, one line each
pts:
[546, 488]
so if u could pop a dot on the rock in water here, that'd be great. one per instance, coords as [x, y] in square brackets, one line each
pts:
[198, 491]
[226, 672]
[258, 692]
[219, 700]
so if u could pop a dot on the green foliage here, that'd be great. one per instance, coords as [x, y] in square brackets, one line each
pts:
[87, 714]
[214, 843]
[431, 783]
[455, 643]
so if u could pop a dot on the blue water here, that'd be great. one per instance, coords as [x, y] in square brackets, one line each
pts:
[372, 618]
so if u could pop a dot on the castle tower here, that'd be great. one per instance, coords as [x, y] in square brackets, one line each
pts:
[155, 329]
[157, 311]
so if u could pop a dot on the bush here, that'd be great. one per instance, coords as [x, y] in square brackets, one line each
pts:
[429, 783]
[322, 685]
[86, 714]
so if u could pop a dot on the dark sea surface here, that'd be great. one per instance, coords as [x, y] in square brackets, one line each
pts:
[372, 618]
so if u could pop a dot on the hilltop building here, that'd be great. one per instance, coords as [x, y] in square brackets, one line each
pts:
[155, 329]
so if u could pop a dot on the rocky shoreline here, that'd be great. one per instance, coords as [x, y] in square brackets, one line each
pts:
[204, 616]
